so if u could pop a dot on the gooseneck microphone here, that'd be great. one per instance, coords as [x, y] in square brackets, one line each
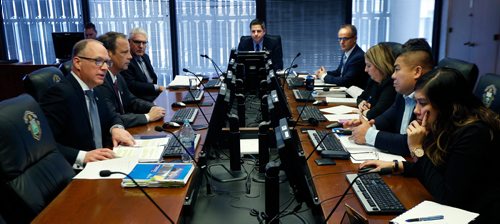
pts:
[187, 71]
[287, 70]
[311, 120]
[382, 171]
[216, 67]
[160, 129]
[317, 146]
[107, 173]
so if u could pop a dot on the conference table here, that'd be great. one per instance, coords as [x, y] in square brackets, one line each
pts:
[105, 201]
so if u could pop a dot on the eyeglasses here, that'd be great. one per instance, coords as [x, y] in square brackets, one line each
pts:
[138, 42]
[344, 38]
[98, 61]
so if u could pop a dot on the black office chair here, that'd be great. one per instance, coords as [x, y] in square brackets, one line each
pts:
[65, 67]
[487, 91]
[468, 70]
[396, 48]
[32, 170]
[39, 81]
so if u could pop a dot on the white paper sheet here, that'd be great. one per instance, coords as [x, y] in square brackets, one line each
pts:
[360, 153]
[340, 100]
[92, 169]
[342, 109]
[354, 91]
[184, 81]
[341, 117]
[429, 208]
[249, 146]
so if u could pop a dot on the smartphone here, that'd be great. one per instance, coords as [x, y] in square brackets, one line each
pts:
[342, 131]
[324, 162]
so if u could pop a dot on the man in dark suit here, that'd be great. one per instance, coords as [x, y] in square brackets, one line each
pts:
[82, 123]
[260, 41]
[140, 75]
[132, 110]
[388, 130]
[351, 70]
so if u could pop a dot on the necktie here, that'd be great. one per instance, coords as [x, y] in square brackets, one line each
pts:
[257, 47]
[94, 119]
[141, 63]
[342, 63]
[118, 97]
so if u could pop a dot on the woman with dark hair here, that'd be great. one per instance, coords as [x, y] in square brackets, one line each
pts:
[379, 92]
[455, 143]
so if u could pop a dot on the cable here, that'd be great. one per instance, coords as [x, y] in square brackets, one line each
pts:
[326, 174]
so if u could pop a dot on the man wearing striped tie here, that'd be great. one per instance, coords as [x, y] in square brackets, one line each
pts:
[84, 126]
[352, 64]
[140, 76]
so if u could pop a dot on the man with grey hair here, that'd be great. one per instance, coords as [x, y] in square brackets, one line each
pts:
[140, 76]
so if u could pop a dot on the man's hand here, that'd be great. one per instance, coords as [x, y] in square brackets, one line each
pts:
[320, 72]
[359, 132]
[121, 137]
[161, 88]
[364, 106]
[98, 155]
[155, 113]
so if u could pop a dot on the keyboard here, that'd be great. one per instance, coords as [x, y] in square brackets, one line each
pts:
[303, 95]
[295, 82]
[311, 111]
[197, 93]
[331, 147]
[189, 113]
[212, 84]
[174, 148]
[374, 194]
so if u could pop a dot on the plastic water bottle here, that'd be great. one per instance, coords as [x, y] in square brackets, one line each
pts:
[187, 139]
[310, 82]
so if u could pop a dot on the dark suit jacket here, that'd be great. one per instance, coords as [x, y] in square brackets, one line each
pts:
[354, 71]
[134, 107]
[389, 124]
[380, 96]
[66, 110]
[271, 43]
[137, 81]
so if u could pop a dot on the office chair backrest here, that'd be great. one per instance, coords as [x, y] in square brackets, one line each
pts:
[65, 67]
[32, 170]
[468, 70]
[39, 81]
[396, 48]
[487, 90]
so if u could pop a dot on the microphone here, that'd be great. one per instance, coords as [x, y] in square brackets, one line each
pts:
[160, 129]
[187, 71]
[107, 173]
[335, 154]
[382, 171]
[311, 120]
[287, 70]
[216, 67]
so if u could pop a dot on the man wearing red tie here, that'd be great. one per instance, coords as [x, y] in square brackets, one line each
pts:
[133, 111]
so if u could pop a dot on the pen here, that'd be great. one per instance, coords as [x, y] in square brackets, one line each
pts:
[429, 218]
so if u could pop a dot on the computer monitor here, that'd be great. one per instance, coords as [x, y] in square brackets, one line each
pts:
[219, 116]
[251, 68]
[293, 164]
[279, 95]
[64, 42]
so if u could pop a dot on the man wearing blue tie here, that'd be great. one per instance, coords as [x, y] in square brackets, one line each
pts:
[140, 76]
[260, 41]
[352, 64]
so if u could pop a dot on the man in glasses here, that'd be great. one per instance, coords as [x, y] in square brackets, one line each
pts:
[140, 76]
[83, 124]
[352, 64]
[132, 110]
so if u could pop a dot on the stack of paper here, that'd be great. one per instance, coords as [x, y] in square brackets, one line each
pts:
[144, 150]
[184, 81]
[159, 175]
[342, 109]
[360, 153]
[354, 91]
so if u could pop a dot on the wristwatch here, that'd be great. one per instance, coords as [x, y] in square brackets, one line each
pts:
[418, 152]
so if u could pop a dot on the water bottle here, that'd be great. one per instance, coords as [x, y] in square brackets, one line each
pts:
[310, 82]
[187, 139]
